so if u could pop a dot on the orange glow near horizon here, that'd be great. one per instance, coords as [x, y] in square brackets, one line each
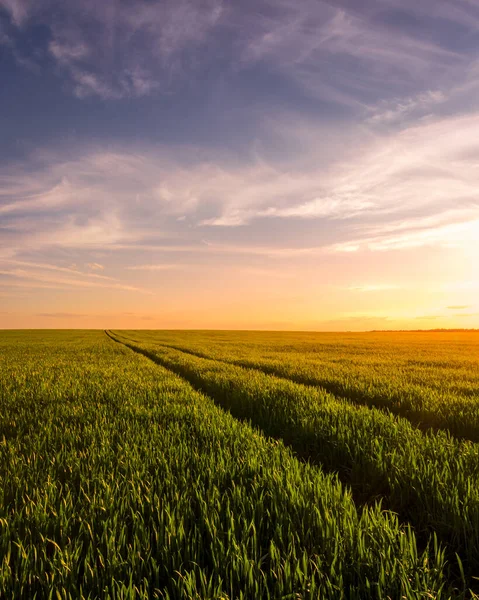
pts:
[354, 291]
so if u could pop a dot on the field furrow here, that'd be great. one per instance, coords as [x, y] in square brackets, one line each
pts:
[118, 480]
[431, 479]
[426, 402]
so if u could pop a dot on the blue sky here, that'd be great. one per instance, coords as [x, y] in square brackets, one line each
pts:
[270, 164]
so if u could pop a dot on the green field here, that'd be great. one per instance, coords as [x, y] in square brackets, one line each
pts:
[224, 465]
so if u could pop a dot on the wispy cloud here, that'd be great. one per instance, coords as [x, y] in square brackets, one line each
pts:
[351, 56]
[417, 187]
[37, 278]
[18, 9]
[162, 267]
[294, 141]
[48, 267]
[95, 266]
[462, 12]
[465, 234]
[408, 189]
[135, 49]
[223, 249]
[333, 51]
[395, 110]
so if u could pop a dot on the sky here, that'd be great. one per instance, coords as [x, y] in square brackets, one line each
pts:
[263, 164]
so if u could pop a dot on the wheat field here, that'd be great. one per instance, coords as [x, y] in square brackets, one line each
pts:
[225, 465]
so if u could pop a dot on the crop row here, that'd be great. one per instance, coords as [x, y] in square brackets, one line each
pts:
[438, 394]
[118, 480]
[430, 479]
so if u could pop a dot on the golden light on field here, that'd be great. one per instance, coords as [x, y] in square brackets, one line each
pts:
[237, 453]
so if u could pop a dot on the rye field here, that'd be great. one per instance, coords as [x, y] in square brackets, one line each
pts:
[239, 465]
